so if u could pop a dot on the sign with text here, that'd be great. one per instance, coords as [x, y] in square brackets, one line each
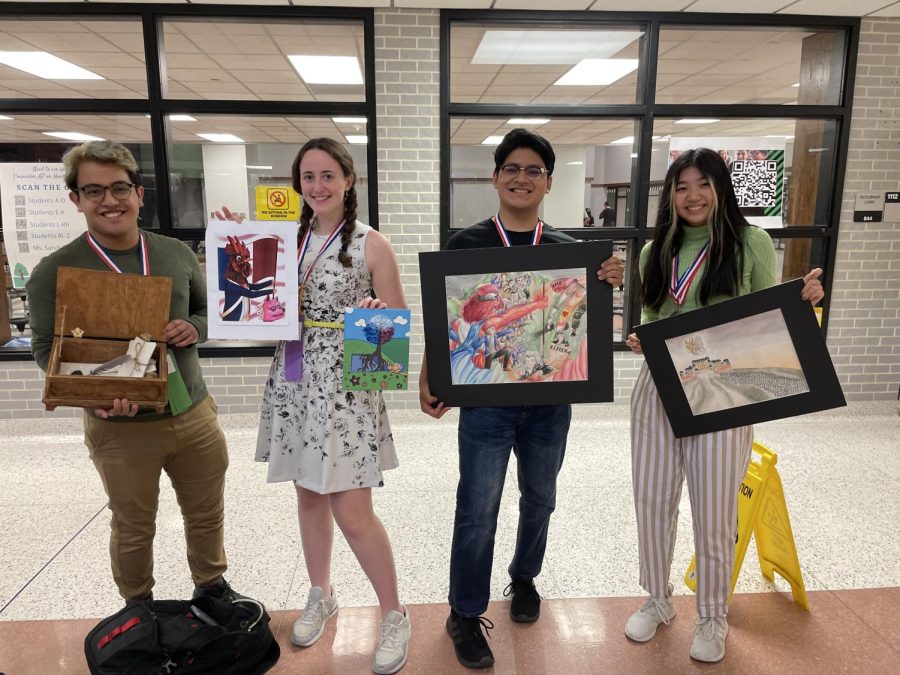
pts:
[892, 207]
[869, 207]
[38, 216]
[277, 202]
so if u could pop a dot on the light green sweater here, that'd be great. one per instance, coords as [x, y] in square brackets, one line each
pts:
[168, 258]
[758, 273]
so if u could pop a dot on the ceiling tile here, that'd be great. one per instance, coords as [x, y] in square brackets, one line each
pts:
[732, 7]
[834, 7]
[892, 10]
[641, 5]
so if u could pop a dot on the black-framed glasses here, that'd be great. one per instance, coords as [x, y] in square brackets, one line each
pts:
[119, 189]
[532, 172]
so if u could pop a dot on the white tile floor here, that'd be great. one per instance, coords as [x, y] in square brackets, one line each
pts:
[840, 470]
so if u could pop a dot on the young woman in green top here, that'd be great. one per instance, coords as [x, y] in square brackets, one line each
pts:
[716, 255]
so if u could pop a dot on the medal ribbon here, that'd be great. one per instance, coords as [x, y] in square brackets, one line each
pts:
[535, 239]
[304, 246]
[101, 252]
[679, 286]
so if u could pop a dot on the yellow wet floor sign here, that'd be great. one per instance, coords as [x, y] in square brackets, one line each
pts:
[762, 512]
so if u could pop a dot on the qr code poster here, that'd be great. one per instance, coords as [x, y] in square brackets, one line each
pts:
[757, 173]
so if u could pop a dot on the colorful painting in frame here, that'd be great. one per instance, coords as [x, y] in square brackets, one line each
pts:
[251, 280]
[518, 326]
[752, 359]
[376, 349]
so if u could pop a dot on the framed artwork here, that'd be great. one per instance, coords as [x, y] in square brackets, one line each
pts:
[526, 325]
[376, 349]
[251, 280]
[755, 358]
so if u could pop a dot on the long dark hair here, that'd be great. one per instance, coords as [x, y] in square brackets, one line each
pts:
[726, 245]
[345, 161]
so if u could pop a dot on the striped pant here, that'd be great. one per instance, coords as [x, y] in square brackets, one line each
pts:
[714, 465]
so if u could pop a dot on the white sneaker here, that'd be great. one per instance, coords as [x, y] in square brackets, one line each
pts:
[641, 626]
[392, 647]
[709, 639]
[311, 624]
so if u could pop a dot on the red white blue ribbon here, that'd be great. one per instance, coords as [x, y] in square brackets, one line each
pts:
[679, 286]
[535, 238]
[142, 251]
[304, 246]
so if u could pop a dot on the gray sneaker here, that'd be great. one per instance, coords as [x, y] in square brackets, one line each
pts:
[709, 639]
[393, 645]
[642, 625]
[311, 624]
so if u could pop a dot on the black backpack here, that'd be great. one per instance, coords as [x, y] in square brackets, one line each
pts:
[175, 637]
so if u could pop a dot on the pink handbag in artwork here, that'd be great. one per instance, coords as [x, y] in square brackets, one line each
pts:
[271, 309]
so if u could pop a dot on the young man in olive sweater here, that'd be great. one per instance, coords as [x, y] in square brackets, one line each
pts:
[131, 447]
[523, 169]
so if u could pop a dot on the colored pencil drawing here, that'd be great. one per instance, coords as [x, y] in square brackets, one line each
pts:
[510, 327]
[376, 349]
[737, 363]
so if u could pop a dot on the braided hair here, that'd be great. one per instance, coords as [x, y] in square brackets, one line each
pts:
[345, 161]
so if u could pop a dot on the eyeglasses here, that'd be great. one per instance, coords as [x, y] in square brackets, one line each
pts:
[94, 192]
[510, 171]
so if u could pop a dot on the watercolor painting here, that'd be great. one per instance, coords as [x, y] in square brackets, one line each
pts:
[376, 349]
[514, 327]
[738, 363]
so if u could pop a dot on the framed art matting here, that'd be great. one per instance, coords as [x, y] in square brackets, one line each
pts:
[525, 325]
[751, 359]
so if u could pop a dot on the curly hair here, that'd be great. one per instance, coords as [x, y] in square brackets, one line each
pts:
[345, 162]
[102, 152]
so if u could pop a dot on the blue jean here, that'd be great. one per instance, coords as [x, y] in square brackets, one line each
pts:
[537, 434]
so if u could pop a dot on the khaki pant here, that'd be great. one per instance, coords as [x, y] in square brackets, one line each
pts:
[129, 456]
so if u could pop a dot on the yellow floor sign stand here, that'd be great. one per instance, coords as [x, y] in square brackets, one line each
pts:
[762, 512]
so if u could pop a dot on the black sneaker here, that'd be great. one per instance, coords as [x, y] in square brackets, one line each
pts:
[471, 648]
[221, 590]
[526, 602]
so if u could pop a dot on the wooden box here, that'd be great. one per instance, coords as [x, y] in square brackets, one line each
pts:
[111, 309]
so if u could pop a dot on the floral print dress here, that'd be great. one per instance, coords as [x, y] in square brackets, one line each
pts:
[313, 432]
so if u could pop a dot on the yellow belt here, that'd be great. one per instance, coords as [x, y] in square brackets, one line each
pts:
[309, 323]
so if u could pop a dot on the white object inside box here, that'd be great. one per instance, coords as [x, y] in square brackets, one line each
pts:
[135, 362]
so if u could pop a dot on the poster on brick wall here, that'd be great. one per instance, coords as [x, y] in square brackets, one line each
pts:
[757, 172]
[38, 216]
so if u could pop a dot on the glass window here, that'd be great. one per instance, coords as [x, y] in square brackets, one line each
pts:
[750, 65]
[74, 58]
[258, 61]
[781, 168]
[595, 161]
[256, 153]
[529, 63]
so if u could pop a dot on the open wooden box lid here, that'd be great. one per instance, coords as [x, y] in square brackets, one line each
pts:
[112, 305]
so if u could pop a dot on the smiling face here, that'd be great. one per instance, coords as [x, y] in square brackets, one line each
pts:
[111, 221]
[522, 193]
[694, 197]
[323, 184]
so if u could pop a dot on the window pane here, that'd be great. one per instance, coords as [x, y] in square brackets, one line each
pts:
[208, 175]
[249, 60]
[796, 256]
[595, 164]
[781, 168]
[521, 63]
[749, 65]
[110, 50]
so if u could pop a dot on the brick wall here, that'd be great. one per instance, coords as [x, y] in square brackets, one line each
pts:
[864, 326]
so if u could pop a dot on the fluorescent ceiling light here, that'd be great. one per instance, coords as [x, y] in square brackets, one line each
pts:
[316, 69]
[4, 117]
[492, 140]
[260, 168]
[627, 140]
[696, 120]
[46, 65]
[221, 138]
[357, 139]
[778, 136]
[633, 155]
[72, 136]
[796, 84]
[524, 47]
[178, 118]
[574, 163]
[349, 120]
[526, 121]
[598, 72]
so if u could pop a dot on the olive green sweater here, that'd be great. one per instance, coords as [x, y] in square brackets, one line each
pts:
[168, 258]
[758, 272]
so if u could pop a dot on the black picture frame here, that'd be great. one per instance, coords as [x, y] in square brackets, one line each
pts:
[436, 266]
[823, 389]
